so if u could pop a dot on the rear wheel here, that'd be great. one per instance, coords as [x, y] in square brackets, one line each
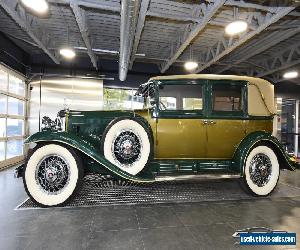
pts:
[52, 175]
[126, 143]
[261, 171]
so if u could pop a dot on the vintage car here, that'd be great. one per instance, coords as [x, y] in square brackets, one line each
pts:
[192, 125]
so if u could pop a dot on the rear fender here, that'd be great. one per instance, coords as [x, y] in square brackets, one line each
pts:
[261, 138]
[86, 148]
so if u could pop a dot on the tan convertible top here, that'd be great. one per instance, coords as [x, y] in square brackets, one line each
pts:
[208, 76]
[260, 91]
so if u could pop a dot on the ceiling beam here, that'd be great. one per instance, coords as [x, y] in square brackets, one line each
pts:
[116, 8]
[84, 31]
[129, 17]
[87, 4]
[138, 32]
[243, 4]
[295, 80]
[288, 58]
[270, 42]
[41, 39]
[182, 18]
[277, 78]
[210, 11]
[226, 45]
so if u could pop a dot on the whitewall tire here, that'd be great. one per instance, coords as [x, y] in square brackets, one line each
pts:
[52, 175]
[126, 144]
[261, 171]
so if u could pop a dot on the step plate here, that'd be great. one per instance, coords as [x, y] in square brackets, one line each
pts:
[100, 191]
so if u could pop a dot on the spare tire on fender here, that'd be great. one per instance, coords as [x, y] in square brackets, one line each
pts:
[127, 143]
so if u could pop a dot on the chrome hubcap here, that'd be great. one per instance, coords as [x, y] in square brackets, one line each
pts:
[53, 174]
[260, 169]
[126, 147]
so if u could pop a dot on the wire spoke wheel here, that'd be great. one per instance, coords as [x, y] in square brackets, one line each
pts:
[260, 169]
[126, 144]
[126, 148]
[53, 174]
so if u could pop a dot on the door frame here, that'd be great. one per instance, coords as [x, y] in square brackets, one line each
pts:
[182, 114]
[158, 114]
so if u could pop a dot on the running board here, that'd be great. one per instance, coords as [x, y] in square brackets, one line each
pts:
[197, 176]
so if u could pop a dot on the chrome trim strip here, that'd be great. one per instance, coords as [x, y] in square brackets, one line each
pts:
[197, 176]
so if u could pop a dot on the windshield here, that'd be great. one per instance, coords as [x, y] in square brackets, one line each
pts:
[121, 99]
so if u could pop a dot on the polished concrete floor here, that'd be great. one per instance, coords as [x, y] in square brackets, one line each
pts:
[205, 225]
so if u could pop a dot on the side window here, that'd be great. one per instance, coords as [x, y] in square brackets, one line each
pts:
[180, 97]
[227, 97]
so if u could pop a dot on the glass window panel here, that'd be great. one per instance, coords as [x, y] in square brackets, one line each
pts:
[192, 103]
[2, 127]
[121, 99]
[2, 150]
[3, 80]
[167, 103]
[3, 102]
[15, 127]
[180, 97]
[15, 106]
[16, 86]
[14, 148]
[135, 102]
[227, 98]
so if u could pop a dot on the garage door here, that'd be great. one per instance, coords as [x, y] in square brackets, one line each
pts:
[12, 116]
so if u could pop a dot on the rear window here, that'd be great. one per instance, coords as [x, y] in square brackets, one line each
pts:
[227, 97]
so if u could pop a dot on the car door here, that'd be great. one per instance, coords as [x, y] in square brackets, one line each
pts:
[227, 117]
[180, 128]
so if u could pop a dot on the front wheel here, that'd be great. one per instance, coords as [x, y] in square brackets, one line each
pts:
[261, 171]
[52, 175]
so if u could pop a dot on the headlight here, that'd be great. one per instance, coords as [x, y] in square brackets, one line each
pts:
[48, 124]
[59, 124]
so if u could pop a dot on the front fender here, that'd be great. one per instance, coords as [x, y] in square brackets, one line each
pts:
[262, 137]
[86, 148]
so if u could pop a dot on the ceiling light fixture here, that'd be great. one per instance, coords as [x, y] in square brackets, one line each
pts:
[38, 6]
[236, 27]
[67, 53]
[290, 75]
[190, 65]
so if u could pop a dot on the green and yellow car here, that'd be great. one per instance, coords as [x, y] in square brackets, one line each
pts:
[192, 125]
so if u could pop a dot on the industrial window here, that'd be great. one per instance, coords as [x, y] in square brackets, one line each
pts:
[180, 97]
[227, 98]
[122, 99]
[12, 116]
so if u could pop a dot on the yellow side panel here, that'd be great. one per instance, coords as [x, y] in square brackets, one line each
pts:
[180, 139]
[260, 125]
[191, 139]
[223, 137]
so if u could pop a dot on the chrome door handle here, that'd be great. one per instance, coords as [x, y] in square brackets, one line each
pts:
[208, 122]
